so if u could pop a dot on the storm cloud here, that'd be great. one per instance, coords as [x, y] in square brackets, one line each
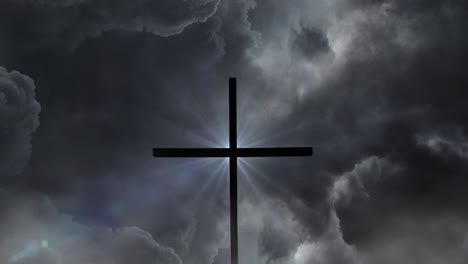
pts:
[19, 118]
[33, 231]
[30, 25]
[378, 89]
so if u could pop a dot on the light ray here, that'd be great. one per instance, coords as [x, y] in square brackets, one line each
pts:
[32, 249]
[213, 179]
[204, 141]
[250, 180]
[216, 131]
[260, 174]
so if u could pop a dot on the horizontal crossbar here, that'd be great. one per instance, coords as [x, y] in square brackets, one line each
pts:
[274, 152]
[227, 152]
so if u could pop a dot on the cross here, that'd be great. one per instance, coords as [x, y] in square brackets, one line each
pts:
[233, 152]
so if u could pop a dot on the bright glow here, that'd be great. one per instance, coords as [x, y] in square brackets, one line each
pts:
[213, 183]
[28, 251]
[45, 243]
[304, 254]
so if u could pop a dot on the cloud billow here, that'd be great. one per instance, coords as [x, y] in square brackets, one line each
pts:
[19, 118]
[310, 43]
[30, 25]
[377, 87]
[33, 231]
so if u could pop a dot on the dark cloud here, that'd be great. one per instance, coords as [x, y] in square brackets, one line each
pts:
[19, 118]
[450, 146]
[28, 26]
[419, 239]
[310, 43]
[329, 249]
[393, 77]
[33, 231]
[421, 88]
[377, 87]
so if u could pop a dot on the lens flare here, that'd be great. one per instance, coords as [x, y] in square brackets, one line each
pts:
[30, 250]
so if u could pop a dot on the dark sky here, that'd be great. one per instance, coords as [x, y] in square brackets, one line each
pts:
[378, 88]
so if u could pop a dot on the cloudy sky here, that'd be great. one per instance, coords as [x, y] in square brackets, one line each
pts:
[378, 88]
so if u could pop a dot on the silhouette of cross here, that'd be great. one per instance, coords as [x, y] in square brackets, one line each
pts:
[232, 153]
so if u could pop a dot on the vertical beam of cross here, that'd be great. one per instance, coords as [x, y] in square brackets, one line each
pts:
[233, 168]
[232, 153]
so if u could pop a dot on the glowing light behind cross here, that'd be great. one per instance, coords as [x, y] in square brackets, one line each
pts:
[233, 153]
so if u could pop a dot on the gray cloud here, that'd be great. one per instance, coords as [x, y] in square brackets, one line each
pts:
[392, 73]
[33, 231]
[433, 239]
[352, 186]
[31, 25]
[63, 3]
[329, 249]
[19, 118]
[446, 146]
[310, 43]
[402, 235]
